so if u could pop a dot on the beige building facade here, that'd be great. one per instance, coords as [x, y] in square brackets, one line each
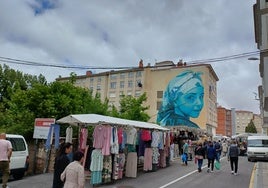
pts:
[153, 81]
[243, 118]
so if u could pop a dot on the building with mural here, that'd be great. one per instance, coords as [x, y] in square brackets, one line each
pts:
[178, 94]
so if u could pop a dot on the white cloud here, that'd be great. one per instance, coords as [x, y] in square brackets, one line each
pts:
[120, 33]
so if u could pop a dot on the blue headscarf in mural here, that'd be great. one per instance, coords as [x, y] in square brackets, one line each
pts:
[183, 98]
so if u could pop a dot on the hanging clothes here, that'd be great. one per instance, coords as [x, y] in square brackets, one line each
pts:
[131, 136]
[98, 136]
[83, 138]
[96, 167]
[148, 157]
[106, 148]
[131, 166]
[69, 135]
[54, 129]
[107, 169]
[114, 141]
[122, 160]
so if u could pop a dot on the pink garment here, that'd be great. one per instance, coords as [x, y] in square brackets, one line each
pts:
[107, 140]
[148, 159]
[98, 136]
[83, 138]
[120, 135]
[146, 135]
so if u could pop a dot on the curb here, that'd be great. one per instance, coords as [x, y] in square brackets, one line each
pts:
[253, 178]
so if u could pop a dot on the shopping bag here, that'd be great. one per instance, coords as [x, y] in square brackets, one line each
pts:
[183, 157]
[195, 160]
[217, 165]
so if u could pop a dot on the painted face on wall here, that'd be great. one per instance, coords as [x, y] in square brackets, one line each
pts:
[191, 103]
[183, 99]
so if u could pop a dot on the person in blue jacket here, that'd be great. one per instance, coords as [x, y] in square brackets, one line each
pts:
[211, 156]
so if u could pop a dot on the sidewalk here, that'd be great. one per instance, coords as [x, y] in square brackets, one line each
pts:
[259, 177]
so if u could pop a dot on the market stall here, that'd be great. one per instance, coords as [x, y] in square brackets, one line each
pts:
[119, 145]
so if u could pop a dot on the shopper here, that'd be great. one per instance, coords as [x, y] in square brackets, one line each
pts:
[233, 153]
[211, 155]
[74, 175]
[199, 155]
[185, 149]
[61, 161]
[5, 154]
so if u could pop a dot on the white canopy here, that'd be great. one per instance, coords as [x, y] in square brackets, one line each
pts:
[95, 119]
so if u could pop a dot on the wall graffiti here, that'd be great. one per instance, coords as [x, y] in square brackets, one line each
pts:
[182, 99]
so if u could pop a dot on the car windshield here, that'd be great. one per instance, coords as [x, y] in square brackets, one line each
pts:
[258, 143]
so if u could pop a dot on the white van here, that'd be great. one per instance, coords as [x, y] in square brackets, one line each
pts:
[257, 148]
[19, 161]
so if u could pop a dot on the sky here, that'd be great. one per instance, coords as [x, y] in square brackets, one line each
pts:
[76, 36]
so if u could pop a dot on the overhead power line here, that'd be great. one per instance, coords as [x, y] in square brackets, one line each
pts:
[202, 61]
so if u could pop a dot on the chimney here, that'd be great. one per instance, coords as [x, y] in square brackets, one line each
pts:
[141, 64]
[180, 63]
[88, 73]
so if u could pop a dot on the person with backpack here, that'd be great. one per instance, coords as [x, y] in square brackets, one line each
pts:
[233, 153]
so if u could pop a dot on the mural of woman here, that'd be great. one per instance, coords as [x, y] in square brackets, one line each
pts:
[183, 98]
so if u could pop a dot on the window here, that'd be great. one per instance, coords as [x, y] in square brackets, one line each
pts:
[99, 79]
[98, 87]
[113, 85]
[17, 144]
[137, 93]
[91, 79]
[122, 76]
[138, 74]
[158, 105]
[112, 95]
[113, 76]
[159, 94]
[130, 84]
[130, 75]
[122, 84]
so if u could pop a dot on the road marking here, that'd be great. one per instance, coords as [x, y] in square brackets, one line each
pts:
[180, 178]
[174, 181]
[252, 179]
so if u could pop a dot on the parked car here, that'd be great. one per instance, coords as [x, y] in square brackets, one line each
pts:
[19, 161]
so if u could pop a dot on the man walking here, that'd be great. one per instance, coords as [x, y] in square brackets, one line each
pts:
[5, 154]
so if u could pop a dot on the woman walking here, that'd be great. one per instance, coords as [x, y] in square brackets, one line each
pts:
[199, 155]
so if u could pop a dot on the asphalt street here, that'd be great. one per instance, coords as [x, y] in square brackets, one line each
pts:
[174, 176]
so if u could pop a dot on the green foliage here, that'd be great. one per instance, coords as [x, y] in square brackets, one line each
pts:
[251, 128]
[24, 97]
[132, 108]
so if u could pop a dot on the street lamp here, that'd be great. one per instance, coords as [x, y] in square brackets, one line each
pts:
[253, 58]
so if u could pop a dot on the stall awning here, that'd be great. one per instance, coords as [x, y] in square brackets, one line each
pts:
[95, 119]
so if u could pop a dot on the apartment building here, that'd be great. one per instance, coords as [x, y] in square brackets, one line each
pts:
[261, 30]
[153, 80]
[224, 127]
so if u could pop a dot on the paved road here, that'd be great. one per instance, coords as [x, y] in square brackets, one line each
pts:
[172, 177]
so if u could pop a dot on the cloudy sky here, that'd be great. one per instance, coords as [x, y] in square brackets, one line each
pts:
[100, 34]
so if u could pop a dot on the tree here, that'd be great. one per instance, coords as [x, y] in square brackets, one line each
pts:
[251, 128]
[54, 100]
[132, 108]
